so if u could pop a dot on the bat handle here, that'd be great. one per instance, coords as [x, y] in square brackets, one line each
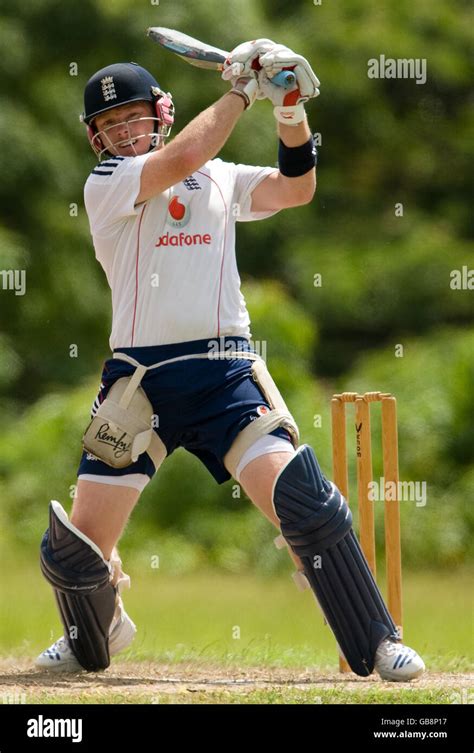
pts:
[285, 79]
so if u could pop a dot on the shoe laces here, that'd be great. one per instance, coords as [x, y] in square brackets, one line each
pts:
[60, 647]
[390, 648]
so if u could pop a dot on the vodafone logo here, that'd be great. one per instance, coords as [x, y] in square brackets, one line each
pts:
[178, 212]
[262, 409]
[178, 215]
[183, 239]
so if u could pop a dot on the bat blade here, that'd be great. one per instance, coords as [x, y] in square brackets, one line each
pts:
[204, 55]
[192, 50]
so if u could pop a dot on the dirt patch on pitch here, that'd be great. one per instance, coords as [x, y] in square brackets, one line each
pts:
[146, 681]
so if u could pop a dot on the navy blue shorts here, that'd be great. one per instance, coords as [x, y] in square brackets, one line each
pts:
[201, 404]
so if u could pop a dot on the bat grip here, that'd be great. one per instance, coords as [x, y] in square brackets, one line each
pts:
[285, 78]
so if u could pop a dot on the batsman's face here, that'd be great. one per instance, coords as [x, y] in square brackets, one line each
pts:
[128, 130]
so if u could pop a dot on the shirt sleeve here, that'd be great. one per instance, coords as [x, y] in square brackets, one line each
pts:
[111, 190]
[247, 178]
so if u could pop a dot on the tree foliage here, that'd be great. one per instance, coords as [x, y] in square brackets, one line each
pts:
[389, 224]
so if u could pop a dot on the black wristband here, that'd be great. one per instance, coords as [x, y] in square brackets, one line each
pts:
[294, 161]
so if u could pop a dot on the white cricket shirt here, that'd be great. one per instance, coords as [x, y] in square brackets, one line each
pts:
[170, 261]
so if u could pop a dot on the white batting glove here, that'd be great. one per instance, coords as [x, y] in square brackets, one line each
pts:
[247, 88]
[280, 57]
[241, 60]
[288, 104]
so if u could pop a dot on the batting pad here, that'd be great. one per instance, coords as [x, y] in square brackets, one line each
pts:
[317, 524]
[80, 577]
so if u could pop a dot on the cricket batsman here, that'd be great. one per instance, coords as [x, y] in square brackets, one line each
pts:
[183, 372]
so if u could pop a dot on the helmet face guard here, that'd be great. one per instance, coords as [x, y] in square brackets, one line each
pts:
[103, 144]
[120, 84]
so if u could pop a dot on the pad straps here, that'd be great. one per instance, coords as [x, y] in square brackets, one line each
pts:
[156, 449]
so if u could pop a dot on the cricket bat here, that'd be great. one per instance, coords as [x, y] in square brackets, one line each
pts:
[204, 55]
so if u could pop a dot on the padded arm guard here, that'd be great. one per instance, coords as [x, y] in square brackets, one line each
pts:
[316, 520]
[80, 577]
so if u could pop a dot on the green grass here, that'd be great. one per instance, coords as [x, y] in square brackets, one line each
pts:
[284, 696]
[239, 619]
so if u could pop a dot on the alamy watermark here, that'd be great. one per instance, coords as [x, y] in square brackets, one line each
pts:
[383, 67]
[42, 726]
[14, 279]
[13, 697]
[462, 279]
[223, 347]
[391, 491]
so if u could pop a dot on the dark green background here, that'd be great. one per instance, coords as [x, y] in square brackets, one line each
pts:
[385, 279]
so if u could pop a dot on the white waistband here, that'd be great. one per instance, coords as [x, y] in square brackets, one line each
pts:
[211, 356]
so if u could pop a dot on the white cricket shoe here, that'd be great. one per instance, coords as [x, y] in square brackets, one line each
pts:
[398, 663]
[59, 656]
